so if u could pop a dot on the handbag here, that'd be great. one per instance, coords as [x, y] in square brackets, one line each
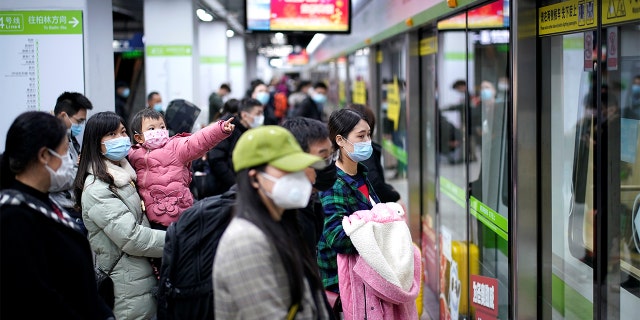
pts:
[105, 284]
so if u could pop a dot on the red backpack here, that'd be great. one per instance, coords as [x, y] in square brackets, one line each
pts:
[280, 105]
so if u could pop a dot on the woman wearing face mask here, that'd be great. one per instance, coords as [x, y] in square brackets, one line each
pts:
[261, 93]
[45, 255]
[250, 115]
[262, 269]
[119, 232]
[352, 191]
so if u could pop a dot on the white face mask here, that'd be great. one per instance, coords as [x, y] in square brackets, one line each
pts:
[64, 175]
[257, 121]
[290, 191]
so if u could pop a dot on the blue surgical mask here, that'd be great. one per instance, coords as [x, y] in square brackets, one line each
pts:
[126, 92]
[319, 98]
[361, 151]
[486, 94]
[635, 88]
[157, 107]
[117, 148]
[76, 129]
[263, 97]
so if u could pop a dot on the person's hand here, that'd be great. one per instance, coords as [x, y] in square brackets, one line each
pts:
[227, 126]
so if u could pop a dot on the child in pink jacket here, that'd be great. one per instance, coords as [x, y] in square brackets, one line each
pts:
[162, 164]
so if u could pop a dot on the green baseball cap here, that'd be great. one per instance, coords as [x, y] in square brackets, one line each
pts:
[273, 145]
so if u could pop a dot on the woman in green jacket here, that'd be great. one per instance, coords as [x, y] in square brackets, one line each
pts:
[112, 211]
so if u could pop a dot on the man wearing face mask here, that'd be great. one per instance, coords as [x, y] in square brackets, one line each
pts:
[313, 105]
[154, 101]
[71, 108]
[250, 115]
[313, 137]
[122, 94]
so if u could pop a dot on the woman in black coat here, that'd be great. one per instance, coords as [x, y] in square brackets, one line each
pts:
[47, 267]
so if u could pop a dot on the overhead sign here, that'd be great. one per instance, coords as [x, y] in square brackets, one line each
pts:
[42, 56]
[566, 16]
[614, 11]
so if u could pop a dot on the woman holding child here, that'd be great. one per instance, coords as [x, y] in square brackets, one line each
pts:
[119, 232]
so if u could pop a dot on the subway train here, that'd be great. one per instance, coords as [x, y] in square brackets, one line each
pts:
[511, 130]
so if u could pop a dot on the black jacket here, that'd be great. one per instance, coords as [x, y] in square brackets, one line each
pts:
[385, 191]
[308, 109]
[220, 160]
[47, 267]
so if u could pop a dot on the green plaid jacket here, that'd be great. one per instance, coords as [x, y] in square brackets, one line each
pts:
[341, 200]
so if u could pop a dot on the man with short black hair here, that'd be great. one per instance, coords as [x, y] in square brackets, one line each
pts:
[313, 137]
[71, 108]
[313, 105]
[154, 101]
[216, 101]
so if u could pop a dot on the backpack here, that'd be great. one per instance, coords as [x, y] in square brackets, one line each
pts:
[185, 289]
[280, 105]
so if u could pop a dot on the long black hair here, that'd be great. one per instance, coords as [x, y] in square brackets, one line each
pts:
[91, 155]
[285, 234]
[29, 133]
[341, 122]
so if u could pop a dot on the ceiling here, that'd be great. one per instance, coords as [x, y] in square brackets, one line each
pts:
[128, 21]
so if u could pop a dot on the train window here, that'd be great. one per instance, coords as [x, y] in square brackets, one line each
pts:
[568, 144]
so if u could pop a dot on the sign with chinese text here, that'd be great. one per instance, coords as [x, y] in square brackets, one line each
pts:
[360, 92]
[484, 296]
[393, 102]
[566, 16]
[43, 56]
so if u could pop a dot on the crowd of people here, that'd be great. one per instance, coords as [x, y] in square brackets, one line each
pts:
[69, 209]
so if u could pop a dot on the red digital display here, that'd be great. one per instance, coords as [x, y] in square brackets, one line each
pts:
[326, 16]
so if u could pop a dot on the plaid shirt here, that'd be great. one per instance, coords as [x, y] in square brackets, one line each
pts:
[341, 200]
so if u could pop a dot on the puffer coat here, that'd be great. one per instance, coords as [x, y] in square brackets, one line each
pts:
[116, 224]
[164, 173]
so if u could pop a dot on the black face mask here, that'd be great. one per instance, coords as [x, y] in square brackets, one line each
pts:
[325, 178]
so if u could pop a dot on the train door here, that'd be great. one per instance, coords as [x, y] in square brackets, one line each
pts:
[474, 103]
[391, 73]
[590, 177]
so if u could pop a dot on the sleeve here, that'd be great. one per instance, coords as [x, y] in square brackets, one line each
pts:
[246, 282]
[335, 205]
[121, 225]
[219, 163]
[194, 146]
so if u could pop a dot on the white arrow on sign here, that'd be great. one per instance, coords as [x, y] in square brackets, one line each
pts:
[74, 21]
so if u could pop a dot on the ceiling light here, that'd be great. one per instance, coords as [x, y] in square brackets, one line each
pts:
[276, 62]
[204, 15]
[315, 42]
[230, 33]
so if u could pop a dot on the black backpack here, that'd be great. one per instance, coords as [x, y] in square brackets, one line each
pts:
[185, 289]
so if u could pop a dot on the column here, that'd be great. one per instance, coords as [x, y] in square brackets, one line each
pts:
[171, 52]
[213, 68]
[49, 49]
[237, 67]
